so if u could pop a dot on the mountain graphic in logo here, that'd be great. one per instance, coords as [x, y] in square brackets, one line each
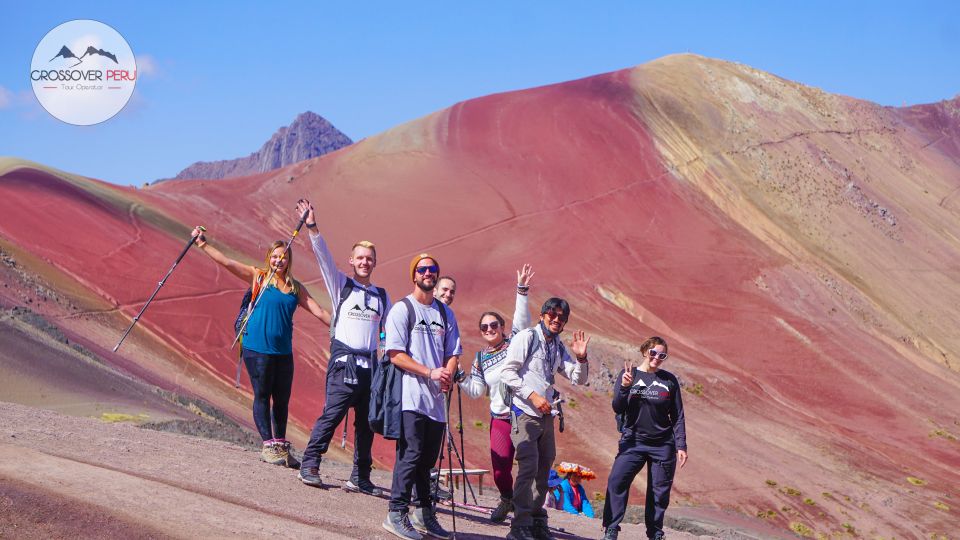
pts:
[660, 384]
[66, 53]
[356, 307]
[434, 323]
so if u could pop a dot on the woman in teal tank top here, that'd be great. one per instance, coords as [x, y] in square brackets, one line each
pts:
[268, 341]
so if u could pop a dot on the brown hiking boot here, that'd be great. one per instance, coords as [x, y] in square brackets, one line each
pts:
[271, 454]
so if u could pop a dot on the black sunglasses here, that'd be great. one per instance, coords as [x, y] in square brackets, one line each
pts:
[552, 315]
[495, 325]
[433, 269]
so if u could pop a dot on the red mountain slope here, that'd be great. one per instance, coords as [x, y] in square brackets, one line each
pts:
[798, 250]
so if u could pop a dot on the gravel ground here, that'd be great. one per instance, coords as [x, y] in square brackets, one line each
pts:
[63, 476]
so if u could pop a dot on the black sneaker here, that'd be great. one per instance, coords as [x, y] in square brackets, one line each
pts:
[611, 533]
[362, 485]
[658, 536]
[310, 476]
[424, 520]
[520, 533]
[398, 524]
[499, 514]
[541, 531]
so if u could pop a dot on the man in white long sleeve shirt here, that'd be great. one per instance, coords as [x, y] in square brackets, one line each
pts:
[358, 309]
[534, 357]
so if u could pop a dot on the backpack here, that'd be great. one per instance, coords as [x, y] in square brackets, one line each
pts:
[386, 392]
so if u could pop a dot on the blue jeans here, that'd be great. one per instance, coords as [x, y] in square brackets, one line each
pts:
[272, 378]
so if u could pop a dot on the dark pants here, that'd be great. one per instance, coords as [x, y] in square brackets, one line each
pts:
[661, 462]
[341, 397]
[536, 448]
[417, 451]
[272, 378]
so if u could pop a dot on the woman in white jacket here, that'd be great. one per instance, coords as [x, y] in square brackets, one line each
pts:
[485, 377]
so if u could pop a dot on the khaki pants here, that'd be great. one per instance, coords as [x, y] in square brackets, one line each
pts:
[536, 449]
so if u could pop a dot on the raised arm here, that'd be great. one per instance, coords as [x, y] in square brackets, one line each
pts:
[306, 301]
[577, 369]
[333, 278]
[242, 271]
[521, 313]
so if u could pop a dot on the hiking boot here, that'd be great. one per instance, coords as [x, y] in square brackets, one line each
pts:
[499, 514]
[424, 520]
[398, 524]
[285, 450]
[443, 495]
[310, 476]
[362, 485]
[658, 536]
[541, 531]
[611, 533]
[271, 454]
[520, 533]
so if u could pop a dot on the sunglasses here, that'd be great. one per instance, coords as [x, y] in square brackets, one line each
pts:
[495, 325]
[551, 315]
[658, 355]
[433, 269]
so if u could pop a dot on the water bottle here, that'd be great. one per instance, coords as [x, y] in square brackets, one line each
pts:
[382, 347]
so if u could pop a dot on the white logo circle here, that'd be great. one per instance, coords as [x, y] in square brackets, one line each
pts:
[83, 72]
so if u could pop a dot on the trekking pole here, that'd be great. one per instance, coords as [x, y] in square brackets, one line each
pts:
[346, 420]
[462, 449]
[453, 498]
[463, 468]
[266, 282]
[159, 285]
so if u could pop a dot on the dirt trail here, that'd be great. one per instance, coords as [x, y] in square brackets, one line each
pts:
[63, 476]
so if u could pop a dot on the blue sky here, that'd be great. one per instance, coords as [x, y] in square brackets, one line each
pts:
[217, 79]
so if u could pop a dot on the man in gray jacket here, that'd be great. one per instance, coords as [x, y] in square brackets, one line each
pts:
[534, 357]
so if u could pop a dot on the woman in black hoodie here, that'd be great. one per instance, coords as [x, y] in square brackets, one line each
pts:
[648, 406]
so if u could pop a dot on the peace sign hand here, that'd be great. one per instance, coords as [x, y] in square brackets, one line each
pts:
[627, 379]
